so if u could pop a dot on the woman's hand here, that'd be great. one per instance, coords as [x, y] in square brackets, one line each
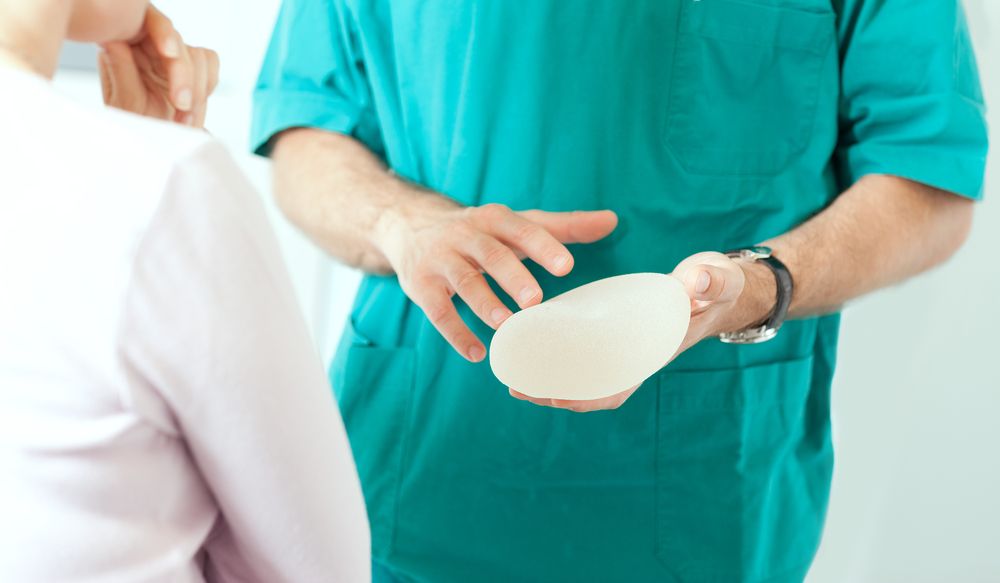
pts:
[439, 249]
[726, 295]
[157, 75]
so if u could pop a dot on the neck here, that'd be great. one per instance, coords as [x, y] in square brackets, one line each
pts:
[32, 33]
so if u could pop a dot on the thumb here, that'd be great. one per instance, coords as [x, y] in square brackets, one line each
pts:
[710, 277]
[706, 283]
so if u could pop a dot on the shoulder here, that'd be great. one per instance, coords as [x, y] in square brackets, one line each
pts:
[171, 164]
[139, 153]
[141, 137]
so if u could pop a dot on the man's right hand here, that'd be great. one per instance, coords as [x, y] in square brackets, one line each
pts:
[439, 249]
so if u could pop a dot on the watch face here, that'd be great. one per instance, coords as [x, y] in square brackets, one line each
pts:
[759, 252]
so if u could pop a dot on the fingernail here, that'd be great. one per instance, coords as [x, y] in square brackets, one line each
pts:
[701, 284]
[476, 353]
[499, 315]
[560, 261]
[527, 294]
[184, 100]
[171, 48]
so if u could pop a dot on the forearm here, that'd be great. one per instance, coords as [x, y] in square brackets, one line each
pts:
[339, 193]
[880, 231]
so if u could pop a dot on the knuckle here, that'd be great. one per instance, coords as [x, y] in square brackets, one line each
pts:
[426, 284]
[430, 262]
[461, 232]
[526, 231]
[466, 281]
[416, 286]
[411, 288]
[495, 255]
[164, 20]
[437, 311]
[486, 306]
[492, 212]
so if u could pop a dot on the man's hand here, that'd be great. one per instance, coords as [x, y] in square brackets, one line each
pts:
[157, 75]
[439, 249]
[726, 295]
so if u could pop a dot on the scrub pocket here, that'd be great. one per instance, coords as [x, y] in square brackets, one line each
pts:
[741, 480]
[373, 386]
[744, 87]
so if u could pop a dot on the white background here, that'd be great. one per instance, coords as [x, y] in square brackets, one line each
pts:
[916, 494]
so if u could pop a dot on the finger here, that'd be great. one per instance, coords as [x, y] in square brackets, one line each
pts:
[577, 226]
[510, 273]
[436, 303]
[705, 257]
[706, 283]
[212, 65]
[534, 400]
[161, 32]
[180, 77]
[199, 63]
[153, 73]
[107, 81]
[212, 81]
[613, 402]
[710, 277]
[471, 287]
[529, 237]
[120, 77]
[171, 79]
[584, 406]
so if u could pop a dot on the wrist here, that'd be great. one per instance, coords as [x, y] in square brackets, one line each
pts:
[758, 299]
[407, 210]
[384, 228]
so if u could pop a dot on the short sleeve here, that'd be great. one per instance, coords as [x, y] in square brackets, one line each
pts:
[911, 103]
[313, 75]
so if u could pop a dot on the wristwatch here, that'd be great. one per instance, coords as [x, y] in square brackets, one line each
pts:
[769, 329]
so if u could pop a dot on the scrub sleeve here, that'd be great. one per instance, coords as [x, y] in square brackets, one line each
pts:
[317, 81]
[911, 102]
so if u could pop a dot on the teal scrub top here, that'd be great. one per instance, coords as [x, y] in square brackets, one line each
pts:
[706, 125]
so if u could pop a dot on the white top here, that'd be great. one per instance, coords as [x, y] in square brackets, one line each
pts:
[164, 416]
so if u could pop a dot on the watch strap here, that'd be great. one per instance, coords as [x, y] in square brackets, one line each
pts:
[784, 286]
[783, 301]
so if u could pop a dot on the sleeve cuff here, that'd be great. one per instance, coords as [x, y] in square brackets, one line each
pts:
[276, 111]
[949, 171]
[937, 140]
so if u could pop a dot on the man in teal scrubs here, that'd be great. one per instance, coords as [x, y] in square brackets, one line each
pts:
[847, 135]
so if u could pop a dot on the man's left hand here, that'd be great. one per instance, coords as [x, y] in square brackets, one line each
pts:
[726, 295]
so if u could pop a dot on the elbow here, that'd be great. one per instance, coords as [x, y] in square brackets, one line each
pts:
[954, 227]
[282, 172]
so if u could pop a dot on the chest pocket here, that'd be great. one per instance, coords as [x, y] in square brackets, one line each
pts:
[744, 86]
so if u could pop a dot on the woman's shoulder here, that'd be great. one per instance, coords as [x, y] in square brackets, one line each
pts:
[167, 160]
[147, 141]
